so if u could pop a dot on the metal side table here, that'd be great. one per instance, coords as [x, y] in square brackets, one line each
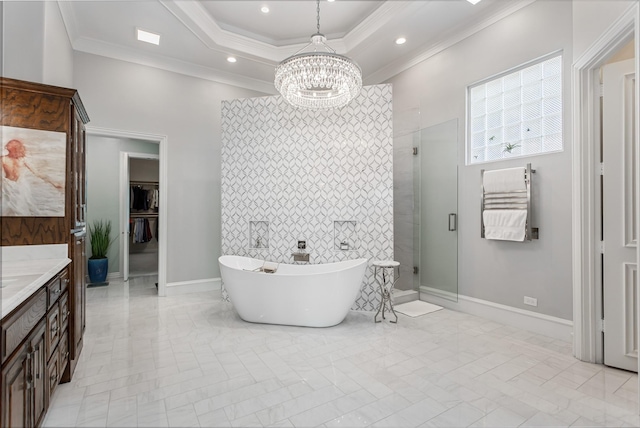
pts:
[384, 271]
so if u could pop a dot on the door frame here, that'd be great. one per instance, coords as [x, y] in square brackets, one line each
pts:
[125, 178]
[162, 141]
[587, 291]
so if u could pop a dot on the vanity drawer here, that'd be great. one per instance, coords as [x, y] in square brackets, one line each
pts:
[57, 286]
[64, 281]
[64, 311]
[17, 326]
[53, 330]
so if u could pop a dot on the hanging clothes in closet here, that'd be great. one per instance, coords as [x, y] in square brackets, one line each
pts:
[153, 199]
[140, 200]
[140, 230]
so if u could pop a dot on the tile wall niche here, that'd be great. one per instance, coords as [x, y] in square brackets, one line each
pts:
[325, 177]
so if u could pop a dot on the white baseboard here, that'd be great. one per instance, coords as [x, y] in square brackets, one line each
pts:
[432, 291]
[114, 275]
[545, 325]
[196, 286]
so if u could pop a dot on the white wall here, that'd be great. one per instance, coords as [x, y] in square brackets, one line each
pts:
[131, 97]
[103, 185]
[23, 36]
[2, 39]
[58, 53]
[504, 272]
[36, 47]
[592, 18]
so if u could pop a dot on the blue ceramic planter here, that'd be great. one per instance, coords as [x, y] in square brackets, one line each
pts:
[98, 269]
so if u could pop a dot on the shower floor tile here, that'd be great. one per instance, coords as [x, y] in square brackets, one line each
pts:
[190, 361]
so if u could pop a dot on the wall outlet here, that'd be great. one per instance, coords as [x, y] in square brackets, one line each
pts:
[531, 301]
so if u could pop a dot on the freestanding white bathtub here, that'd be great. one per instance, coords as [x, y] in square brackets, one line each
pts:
[303, 295]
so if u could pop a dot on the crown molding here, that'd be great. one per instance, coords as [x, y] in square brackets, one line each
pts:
[399, 66]
[196, 18]
[69, 19]
[200, 23]
[162, 62]
[374, 22]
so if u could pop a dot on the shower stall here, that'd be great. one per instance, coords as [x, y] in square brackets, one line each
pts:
[426, 208]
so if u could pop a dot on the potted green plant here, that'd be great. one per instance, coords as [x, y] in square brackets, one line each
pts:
[100, 238]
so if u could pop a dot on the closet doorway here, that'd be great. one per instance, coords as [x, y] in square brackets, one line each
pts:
[112, 146]
[140, 207]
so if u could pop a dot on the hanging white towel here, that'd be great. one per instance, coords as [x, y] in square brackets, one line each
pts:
[504, 180]
[506, 225]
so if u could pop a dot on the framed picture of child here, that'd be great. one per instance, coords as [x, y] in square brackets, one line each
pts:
[33, 172]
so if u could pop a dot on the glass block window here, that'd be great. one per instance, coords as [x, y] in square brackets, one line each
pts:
[517, 113]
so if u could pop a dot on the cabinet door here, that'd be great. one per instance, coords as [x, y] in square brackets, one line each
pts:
[79, 195]
[53, 373]
[53, 329]
[24, 398]
[38, 375]
[64, 312]
[77, 297]
[16, 396]
[63, 352]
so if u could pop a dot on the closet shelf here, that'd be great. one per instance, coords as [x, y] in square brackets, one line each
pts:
[142, 215]
[143, 183]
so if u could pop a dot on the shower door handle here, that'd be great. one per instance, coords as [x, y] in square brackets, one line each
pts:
[453, 222]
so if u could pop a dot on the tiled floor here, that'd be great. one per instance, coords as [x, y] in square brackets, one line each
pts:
[143, 263]
[190, 361]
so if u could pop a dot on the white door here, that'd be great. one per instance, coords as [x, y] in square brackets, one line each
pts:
[125, 195]
[619, 228]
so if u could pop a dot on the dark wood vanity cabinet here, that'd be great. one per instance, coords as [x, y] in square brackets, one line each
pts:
[32, 370]
[23, 382]
[33, 337]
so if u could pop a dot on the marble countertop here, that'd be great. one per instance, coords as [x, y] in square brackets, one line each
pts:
[21, 278]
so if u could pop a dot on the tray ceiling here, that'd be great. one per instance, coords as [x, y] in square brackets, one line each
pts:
[198, 36]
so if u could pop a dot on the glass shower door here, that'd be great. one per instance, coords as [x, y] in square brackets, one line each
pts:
[435, 211]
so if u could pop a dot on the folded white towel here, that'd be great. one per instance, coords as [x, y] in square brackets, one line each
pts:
[504, 180]
[506, 225]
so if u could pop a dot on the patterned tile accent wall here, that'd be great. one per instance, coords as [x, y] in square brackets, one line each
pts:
[302, 171]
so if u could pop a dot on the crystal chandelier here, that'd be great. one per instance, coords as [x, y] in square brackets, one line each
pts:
[318, 80]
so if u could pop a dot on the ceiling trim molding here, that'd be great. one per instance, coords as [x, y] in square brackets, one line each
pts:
[162, 62]
[196, 18]
[372, 23]
[69, 19]
[192, 14]
[399, 66]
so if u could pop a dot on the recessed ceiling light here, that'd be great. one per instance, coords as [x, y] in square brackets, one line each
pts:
[331, 1]
[401, 41]
[264, 9]
[145, 36]
[231, 59]
[474, 1]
